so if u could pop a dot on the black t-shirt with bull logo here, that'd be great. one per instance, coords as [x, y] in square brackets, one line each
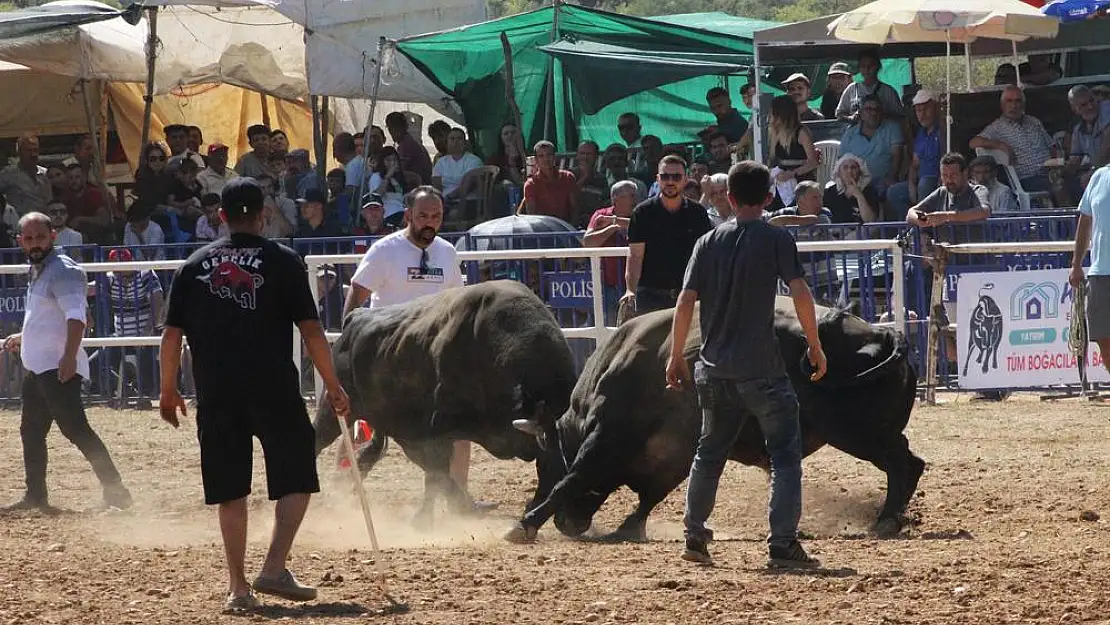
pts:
[237, 299]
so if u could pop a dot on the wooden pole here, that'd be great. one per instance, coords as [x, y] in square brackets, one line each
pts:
[936, 332]
[549, 101]
[151, 48]
[510, 97]
[325, 105]
[317, 148]
[94, 136]
[369, 121]
[265, 111]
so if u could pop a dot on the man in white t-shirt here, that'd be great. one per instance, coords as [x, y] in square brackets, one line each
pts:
[449, 173]
[407, 264]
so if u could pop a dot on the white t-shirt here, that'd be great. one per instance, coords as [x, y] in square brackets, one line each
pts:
[391, 270]
[452, 171]
[392, 201]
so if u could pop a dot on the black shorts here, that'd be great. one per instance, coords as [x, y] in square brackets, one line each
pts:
[288, 442]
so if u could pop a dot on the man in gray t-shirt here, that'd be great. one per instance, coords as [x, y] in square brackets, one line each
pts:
[734, 270]
[956, 201]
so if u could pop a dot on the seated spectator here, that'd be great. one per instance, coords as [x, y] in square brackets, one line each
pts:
[177, 138]
[715, 198]
[213, 178]
[652, 154]
[183, 205]
[807, 211]
[211, 226]
[1039, 70]
[729, 122]
[196, 138]
[280, 213]
[836, 81]
[925, 163]
[616, 168]
[1000, 198]
[1102, 92]
[64, 236]
[314, 222]
[84, 153]
[1022, 137]
[136, 301]
[955, 201]
[254, 163]
[140, 232]
[59, 182]
[152, 180]
[300, 176]
[414, 157]
[338, 208]
[698, 171]
[551, 191]
[508, 157]
[628, 127]
[593, 190]
[89, 212]
[437, 132]
[852, 99]
[1090, 143]
[878, 142]
[797, 86]
[451, 170]
[376, 137]
[849, 196]
[371, 221]
[279, 148]
[608, 227]
[793, 157]
[718, 159]
[389, 182]
[24, 182]
[353, 168]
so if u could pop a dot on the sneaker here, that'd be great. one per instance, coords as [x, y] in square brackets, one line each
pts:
[241, 603]
[697, 551]
[285, 586]
[117, 496]
[793, 556]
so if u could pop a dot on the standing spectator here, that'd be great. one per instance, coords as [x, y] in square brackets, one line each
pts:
[661, 236]
[628, 126]
[89, 212]
[414, 157]
[878, 142]
[377, 141]
[253, 163]
[152, 180]
[451, 171]
[852, 99]
[849, 196]
[836, 82]
[24, 182]
[84, 155]
[177, 138]
[593, 190]
[279, 148]
[609, 228]
[210, 227]
[1090, 143]
[354, 170]
[241, 342]
[314, 221]
[388, 181]
[793, 157]
[1093, 230]
[747, 94]
[735, 272]
[730, 122]
[55, 364]
[213, 178]
[140, 232]
[551, 191]
[196, 138]
[300, 176]
[692, 190]
[508, 157]
[136, 303]
[955, 201]
[807, 210]
[437, 132]
[797, 86]
[371, 220]
[984, 172]
[64, 236]
[616, 168]
[280, 214]
[719, 159]
[925, 165]
[1022, 137]
[338, 208]
[59, 183]
[715, 199]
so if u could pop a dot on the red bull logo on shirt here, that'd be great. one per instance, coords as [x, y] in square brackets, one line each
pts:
[234, 274]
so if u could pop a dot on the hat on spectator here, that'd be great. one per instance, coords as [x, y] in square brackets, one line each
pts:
[241, 197]
[373, 199]
[984, 160]
[119, 255]
[796, 76]
[839, 68]
[314, 195]
[923, 96]
[216, 146]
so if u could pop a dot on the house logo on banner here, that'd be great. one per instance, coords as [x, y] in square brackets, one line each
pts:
[1016, 331]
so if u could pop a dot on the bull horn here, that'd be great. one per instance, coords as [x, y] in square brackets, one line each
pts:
[528, 426]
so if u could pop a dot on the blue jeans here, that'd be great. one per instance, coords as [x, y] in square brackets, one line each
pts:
[724, 406]
[898, 197]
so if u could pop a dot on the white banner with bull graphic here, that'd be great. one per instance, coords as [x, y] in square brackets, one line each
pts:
[1013, 330]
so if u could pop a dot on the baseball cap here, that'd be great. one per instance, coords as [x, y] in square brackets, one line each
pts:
[119, 255]
[795, 76]
[923, 96]
[216, 147]
[373, 199]
[241, 197]
[314, 195]
[839, 68]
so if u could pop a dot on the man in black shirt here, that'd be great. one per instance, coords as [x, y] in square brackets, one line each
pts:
[236, 301]
[661, 236]
[734, 271]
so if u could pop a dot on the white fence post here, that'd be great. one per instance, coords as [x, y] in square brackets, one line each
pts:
[898, 289]
[601, 332]
[314, 286]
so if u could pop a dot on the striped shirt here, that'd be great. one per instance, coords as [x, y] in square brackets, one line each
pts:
[132, 301]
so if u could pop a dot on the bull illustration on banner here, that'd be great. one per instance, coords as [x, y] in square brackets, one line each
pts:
[986, 331]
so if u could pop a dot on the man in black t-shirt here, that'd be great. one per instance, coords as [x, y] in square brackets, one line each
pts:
[735, 271]
[236, 301]
[661, 235]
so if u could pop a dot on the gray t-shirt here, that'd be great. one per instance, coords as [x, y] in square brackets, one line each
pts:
[973, 197]
[735, 270]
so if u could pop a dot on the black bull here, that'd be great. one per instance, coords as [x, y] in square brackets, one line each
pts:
[624, 428]
[461, 364]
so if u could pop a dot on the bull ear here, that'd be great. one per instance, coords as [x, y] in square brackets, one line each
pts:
[528, 426]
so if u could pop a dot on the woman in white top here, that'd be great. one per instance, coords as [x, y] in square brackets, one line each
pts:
[388, 181]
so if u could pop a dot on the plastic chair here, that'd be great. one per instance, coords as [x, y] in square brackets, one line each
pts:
[1024, 198]
[829, 150]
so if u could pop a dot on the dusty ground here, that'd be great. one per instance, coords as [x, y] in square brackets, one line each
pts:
[1000, 538]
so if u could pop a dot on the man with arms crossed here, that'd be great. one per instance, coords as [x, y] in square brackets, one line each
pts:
[236, 301]
[406, 265]
[1094, 229]
[734, 271]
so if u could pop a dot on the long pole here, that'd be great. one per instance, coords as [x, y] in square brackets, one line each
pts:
[317, 145]
[369, 122]
[151, 48]
[948, 87]
[549, 104]
[98, 158]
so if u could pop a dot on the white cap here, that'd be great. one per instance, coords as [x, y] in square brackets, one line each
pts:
[923, 96]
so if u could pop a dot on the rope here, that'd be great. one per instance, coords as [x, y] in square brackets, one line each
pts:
[1077, 333]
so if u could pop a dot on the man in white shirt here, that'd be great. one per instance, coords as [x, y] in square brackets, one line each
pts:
[50, 347]
[449, 173]
[213, 178]
[64, 236]
[408, 264]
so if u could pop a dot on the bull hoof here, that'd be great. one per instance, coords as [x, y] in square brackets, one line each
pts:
[626, 535]
[888, 527]
[522, 534]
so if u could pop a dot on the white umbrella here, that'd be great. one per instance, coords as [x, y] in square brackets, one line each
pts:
[961, 21]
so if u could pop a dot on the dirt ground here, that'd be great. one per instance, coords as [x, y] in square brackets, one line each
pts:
[1007, 532]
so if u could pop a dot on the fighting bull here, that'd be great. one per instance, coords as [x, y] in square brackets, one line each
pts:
[461, 364]
[986, 332]
[624, 428]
